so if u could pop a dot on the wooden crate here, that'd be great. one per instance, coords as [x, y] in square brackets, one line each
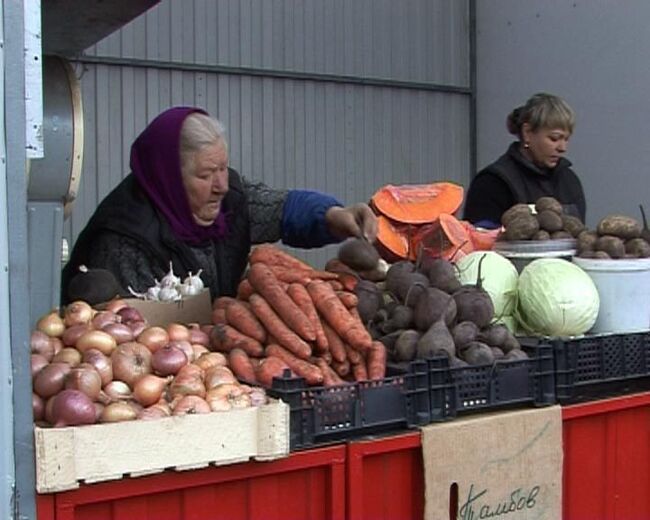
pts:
[65, 457]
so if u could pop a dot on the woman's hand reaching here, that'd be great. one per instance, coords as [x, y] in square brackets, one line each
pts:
[357, 220]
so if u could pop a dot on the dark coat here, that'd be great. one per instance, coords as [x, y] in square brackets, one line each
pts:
[513, 179]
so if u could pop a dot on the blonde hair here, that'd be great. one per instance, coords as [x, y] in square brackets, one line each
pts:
[199, 130]
[542, 111]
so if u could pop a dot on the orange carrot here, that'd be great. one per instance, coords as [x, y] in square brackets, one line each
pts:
[219, 317]
[222, 302]
[330, 378]
[241, 365]
[327, 356]
[338, 317]
[277, 328]
[355, 357]
[342, 369]
[348, 281]
[300, 296]
[268, 369]
[244, 290]
[224, 338]
[336, 285]
[348, 298]
[289, 275]
[311, 373]
[266, 284]
[240, 316]
[360, 372]
[272, 255]
[377, 360]
[336, 346]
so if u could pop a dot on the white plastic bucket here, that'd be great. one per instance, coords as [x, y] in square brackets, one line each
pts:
[624, 290]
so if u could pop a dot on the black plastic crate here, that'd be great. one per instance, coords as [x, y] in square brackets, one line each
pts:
[603, 365]
[489, 387]
[330, 414]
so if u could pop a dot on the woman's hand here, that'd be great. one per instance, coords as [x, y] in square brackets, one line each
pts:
[357, 220]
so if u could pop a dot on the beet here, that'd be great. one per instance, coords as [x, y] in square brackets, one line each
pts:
[473, 303]
[514, 354]
[358, 254]
[497, 352]
[390, 339]
[494, 335]
[436, 341]
[463, 333]
[401, 317]
[433, 305]
[478, 353]
[406, 345]
[455, 362]
[442, 275]
[370, 299]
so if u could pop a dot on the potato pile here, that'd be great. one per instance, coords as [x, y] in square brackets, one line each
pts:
[548, 223]
[616, 236]
[422, 311]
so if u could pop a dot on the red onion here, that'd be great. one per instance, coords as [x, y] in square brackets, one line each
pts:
[73, 333]
[177, 332]
[72, 408]
[168, 360]
[103, 318]
[137, 327]
[38, 407]
[115, 305]
[101, 363]
[121, 332]
[185, 347]
[115, 391]
[40, 343]
[50, 379]
[38, 362]
[198, 337]
[154, 338]
[85, 379]
[128, 314]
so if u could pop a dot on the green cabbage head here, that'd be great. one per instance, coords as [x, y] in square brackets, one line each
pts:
[556, 298]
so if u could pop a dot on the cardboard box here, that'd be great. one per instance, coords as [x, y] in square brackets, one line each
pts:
[99, 452]
[193, 309]
[501, 464]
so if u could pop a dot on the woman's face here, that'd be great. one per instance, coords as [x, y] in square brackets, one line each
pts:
[545, 146]
[206, 182]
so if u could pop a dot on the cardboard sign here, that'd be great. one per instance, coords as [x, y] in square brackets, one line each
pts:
[502, 465]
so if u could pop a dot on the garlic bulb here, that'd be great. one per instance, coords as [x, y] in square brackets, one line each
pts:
[192, 285]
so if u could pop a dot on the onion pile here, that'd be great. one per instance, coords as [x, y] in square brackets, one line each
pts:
[92, 366]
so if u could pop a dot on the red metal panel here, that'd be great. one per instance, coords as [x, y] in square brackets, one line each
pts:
[307, 485]
[45, 507]
[607, 459]
[385, 478]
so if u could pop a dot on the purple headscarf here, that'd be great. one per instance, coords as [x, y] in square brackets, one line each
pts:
[156, 164]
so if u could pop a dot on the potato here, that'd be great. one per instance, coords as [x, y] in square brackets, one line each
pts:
[611, 245]
[522, 228]
[560, 235]
[586, 241]
[638, 248]
[619, 226]
[601, 255]
[573, 225]
[541, 235]
[516, 211]
[549, 221]
[548, 204]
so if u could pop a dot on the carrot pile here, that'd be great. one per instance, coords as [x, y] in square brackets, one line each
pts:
[289, 315]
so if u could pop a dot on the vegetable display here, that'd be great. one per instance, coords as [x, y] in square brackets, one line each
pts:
[307, 323]
[616, 236]
[548, 222]
[93, 366]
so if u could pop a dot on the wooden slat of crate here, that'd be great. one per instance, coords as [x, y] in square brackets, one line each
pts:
[67, 456]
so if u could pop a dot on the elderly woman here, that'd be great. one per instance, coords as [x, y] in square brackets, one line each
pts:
[183, 204]
[532, 167]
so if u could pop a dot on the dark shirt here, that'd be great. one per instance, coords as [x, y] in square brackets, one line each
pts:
[513, 179]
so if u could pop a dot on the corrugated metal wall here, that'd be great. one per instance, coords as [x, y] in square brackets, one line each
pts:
[341, 96]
